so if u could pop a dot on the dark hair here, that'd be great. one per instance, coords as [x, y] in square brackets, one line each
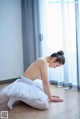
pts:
[60, 57]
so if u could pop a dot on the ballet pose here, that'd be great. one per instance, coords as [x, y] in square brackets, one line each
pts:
[33, 87]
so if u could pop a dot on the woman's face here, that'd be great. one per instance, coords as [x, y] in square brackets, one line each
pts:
[54, 64]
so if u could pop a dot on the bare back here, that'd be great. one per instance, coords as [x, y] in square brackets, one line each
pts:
[34, 71]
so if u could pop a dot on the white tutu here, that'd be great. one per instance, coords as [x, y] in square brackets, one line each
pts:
[25, 88]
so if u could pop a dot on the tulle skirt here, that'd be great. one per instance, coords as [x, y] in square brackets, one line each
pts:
[25, 88]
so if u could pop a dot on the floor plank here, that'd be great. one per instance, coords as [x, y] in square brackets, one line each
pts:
[69, 109]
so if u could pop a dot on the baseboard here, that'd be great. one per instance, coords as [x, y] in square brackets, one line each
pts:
[8, 80]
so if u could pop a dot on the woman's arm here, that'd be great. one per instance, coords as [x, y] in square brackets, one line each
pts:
[46, 84]
[44, 74]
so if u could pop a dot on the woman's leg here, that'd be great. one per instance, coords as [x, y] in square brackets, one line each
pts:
[11, 101]
[37, 103]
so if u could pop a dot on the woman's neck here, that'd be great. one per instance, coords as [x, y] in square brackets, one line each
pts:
[47, 59]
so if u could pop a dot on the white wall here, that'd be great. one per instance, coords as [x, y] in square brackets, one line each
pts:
[11, 53]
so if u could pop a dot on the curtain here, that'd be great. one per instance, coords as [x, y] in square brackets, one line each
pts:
[30, 31]
[60, 31]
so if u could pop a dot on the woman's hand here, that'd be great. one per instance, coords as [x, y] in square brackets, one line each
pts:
[56, 99]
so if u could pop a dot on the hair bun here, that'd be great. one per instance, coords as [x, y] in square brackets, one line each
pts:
[60, 52]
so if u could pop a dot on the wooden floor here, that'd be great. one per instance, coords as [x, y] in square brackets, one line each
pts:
[69, 109]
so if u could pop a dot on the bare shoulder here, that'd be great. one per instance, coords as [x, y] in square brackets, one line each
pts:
[42, 61]
[43, 69]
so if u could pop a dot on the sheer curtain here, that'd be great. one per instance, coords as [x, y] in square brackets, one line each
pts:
[58, 27]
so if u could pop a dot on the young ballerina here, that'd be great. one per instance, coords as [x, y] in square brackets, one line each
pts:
[33, 87]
